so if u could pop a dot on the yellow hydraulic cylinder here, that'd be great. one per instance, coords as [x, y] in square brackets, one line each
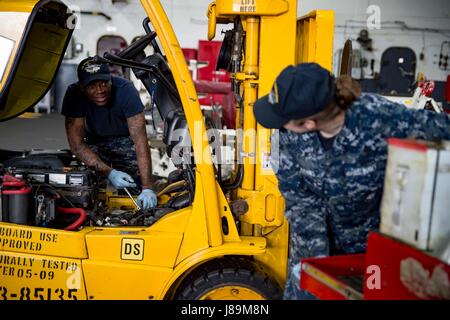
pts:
[252, 46]
[250, 96]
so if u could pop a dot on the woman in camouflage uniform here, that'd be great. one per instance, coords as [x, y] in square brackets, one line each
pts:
[332, 158]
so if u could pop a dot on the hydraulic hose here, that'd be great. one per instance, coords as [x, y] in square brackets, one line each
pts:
[82, 217]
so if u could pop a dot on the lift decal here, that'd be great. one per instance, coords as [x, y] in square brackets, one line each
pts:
[244, 6]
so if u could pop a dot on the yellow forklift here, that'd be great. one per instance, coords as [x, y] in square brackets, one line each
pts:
[64, 236]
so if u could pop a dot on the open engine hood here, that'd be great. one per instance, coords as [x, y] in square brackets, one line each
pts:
[33, 38]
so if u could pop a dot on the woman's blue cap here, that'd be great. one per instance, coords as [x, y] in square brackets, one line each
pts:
[298, 92]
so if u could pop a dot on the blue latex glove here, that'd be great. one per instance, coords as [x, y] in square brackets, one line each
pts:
[147, 199]
[121, 179]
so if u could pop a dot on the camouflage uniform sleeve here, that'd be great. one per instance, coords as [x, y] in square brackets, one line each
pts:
[401, 122]
[429, 125]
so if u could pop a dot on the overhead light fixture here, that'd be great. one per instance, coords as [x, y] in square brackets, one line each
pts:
[110, 28]
[119, 2]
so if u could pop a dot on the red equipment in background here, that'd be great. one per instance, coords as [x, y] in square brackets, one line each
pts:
[427, 87]
[389, 270]
[208, 51]
[219, 93]
[190, 54]
[213, 87]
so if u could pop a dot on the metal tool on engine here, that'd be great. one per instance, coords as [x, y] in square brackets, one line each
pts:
[132, 199]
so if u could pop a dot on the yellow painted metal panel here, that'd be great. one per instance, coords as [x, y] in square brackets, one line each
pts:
[12, 26]
[41, 52]
[196, 233]
[45, 241]
[271, 62]
[204, 169]
[273, 59]
[134, 245]
[314, 41]
[257, 203]
[275, 257]
[233, 234]
[174, 222]
[17, 5]
[39, 277]
[37, 67]
[134, 281]
[119, 281]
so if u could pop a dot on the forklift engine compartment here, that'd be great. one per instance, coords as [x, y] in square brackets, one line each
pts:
[47, 188]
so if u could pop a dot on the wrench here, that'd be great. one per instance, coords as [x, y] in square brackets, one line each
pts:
[132, 199]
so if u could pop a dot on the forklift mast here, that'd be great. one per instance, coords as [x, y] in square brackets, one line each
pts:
[264, 38]
[261, 39]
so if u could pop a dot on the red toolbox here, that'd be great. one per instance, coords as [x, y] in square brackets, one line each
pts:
[390, 270]
[209, 51]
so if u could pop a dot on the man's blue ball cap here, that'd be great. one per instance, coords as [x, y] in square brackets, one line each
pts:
[89, 71]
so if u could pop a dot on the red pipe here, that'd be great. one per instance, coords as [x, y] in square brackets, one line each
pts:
[78, 222]
[23, 190]
[10, 181]
[13, 184]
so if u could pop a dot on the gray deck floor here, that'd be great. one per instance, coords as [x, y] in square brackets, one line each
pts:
[34, 131]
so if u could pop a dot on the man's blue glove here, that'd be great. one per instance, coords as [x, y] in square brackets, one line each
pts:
[147, 199]
[121, 179]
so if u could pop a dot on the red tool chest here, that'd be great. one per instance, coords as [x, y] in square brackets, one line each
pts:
[389, 270]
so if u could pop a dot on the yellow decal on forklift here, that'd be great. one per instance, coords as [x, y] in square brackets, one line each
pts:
[27, 293]
[31, 277]
[24, 239]
[244, 6]
[132, 249]
[22, 267]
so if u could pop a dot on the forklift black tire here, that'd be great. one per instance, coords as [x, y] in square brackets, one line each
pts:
[230, 278]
